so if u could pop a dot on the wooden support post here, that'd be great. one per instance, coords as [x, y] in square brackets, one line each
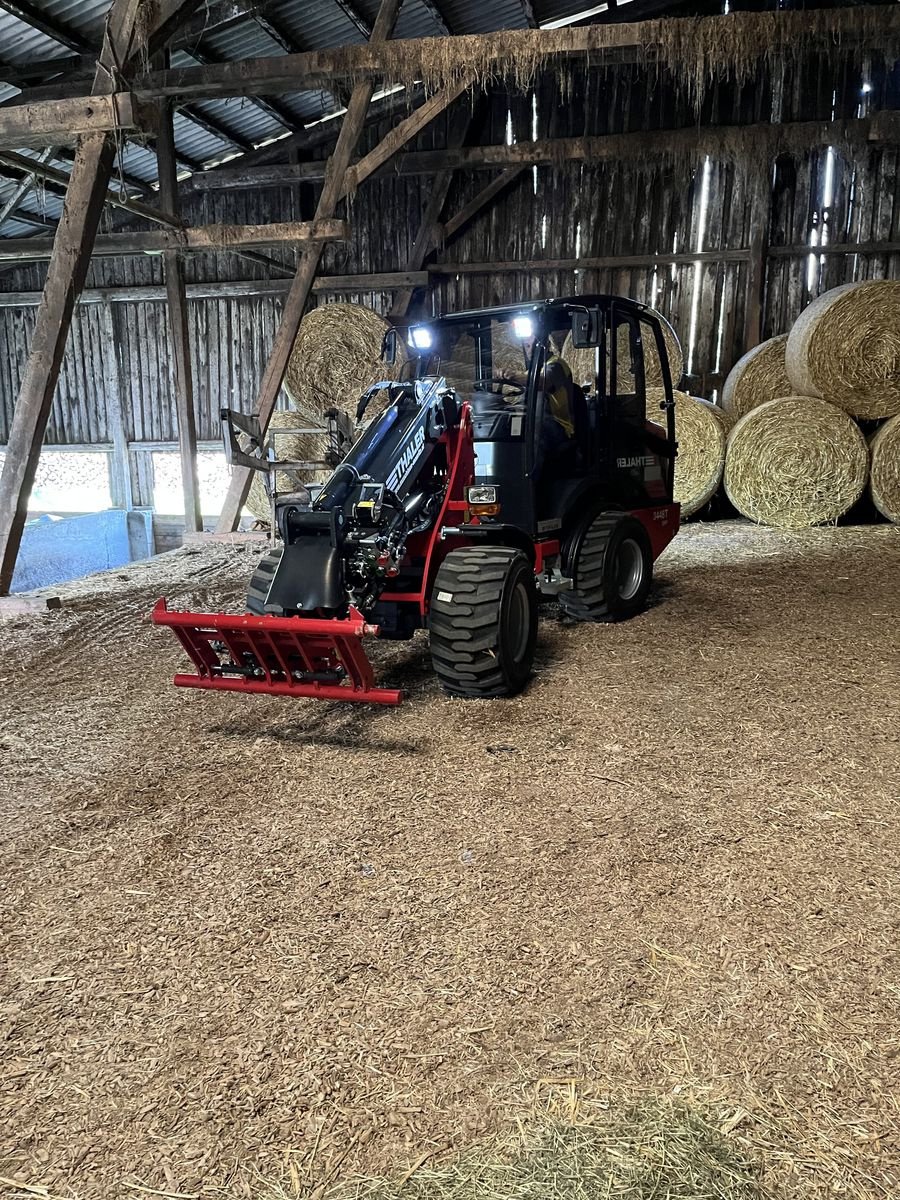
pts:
[427, 237]
[179, 333]
[83, 205]
[295, 304]
[760, 215]
[122, 495]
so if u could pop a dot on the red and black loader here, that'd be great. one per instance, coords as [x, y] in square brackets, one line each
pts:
[454, 511]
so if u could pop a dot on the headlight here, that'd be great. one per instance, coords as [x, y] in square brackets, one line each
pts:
[421, 337]
[482, 494]
[523, 327]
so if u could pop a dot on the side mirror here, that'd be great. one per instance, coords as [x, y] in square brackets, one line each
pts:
[389, 347]
[585, 328]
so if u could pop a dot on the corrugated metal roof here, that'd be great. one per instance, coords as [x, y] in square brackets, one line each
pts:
[306, 24]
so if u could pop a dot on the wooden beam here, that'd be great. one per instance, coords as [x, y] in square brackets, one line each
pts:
[65, 279]
[122, 495]
[584, 264]
[402, 133]
[479, 201]
[56, 30]
[216, 18]
[53, 175]
[24, 187]
[204, 239]
[426, 238]
[349, 9]
[785, 29]
[437, 15]
[34, 71]
[295, 304]
[387, 281]
[63, 122]
[179, 333]
[716, 140]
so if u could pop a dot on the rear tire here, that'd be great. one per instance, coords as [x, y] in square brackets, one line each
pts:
[611, 563]
[483, 623]
[261, 581]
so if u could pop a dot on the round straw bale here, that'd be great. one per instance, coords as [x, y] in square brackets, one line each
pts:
[794, 462]
[845, 347]
[336, 356]
[582, 361]
[884, 478]
[701, 430]
[302, 447]
[759, 376]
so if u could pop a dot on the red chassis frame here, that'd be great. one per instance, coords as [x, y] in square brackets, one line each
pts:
[304, 656]
[323, 658]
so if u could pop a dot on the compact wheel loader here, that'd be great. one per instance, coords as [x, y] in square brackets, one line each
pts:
[492, 478]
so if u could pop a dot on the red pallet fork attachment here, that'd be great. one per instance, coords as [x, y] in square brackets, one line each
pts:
[278, 656]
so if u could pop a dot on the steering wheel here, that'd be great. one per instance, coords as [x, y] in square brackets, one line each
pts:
[518, 387]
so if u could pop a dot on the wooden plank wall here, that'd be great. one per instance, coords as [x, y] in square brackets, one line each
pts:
[634, 207]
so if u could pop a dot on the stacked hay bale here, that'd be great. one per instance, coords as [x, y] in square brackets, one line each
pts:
[701, 430]
[759, 376]
[800, 459]
[336, 356]
[884, 477]
[794, 462]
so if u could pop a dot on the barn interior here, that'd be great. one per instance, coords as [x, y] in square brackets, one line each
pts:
[630, 932]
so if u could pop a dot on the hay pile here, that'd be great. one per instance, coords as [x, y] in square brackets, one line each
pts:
[795, 462]
[645, 1151]
[759, 376]
[582, 361]
[303, 447]
[701, 430]
[884, 478]
[845, 348]
[336, 356]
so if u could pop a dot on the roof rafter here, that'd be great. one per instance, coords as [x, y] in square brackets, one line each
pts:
[352, 12]
[53, 29]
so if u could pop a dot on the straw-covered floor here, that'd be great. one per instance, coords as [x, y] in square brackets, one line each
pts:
[260, 948]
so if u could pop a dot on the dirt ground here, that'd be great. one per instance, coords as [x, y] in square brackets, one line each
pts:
[250, 944]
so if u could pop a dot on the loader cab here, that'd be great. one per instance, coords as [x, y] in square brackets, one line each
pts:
[557, 393]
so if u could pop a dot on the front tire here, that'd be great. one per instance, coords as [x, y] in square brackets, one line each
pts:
[483, 623]
[610, 560]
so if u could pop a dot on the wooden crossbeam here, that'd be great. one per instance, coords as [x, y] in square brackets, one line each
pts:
[723, 140]
[201, 239]
[401, 134]
[295, 303]
[873, 26]
[56, 30]
[51, 174]
[479, 201]
[384, 281]
[62, 122]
